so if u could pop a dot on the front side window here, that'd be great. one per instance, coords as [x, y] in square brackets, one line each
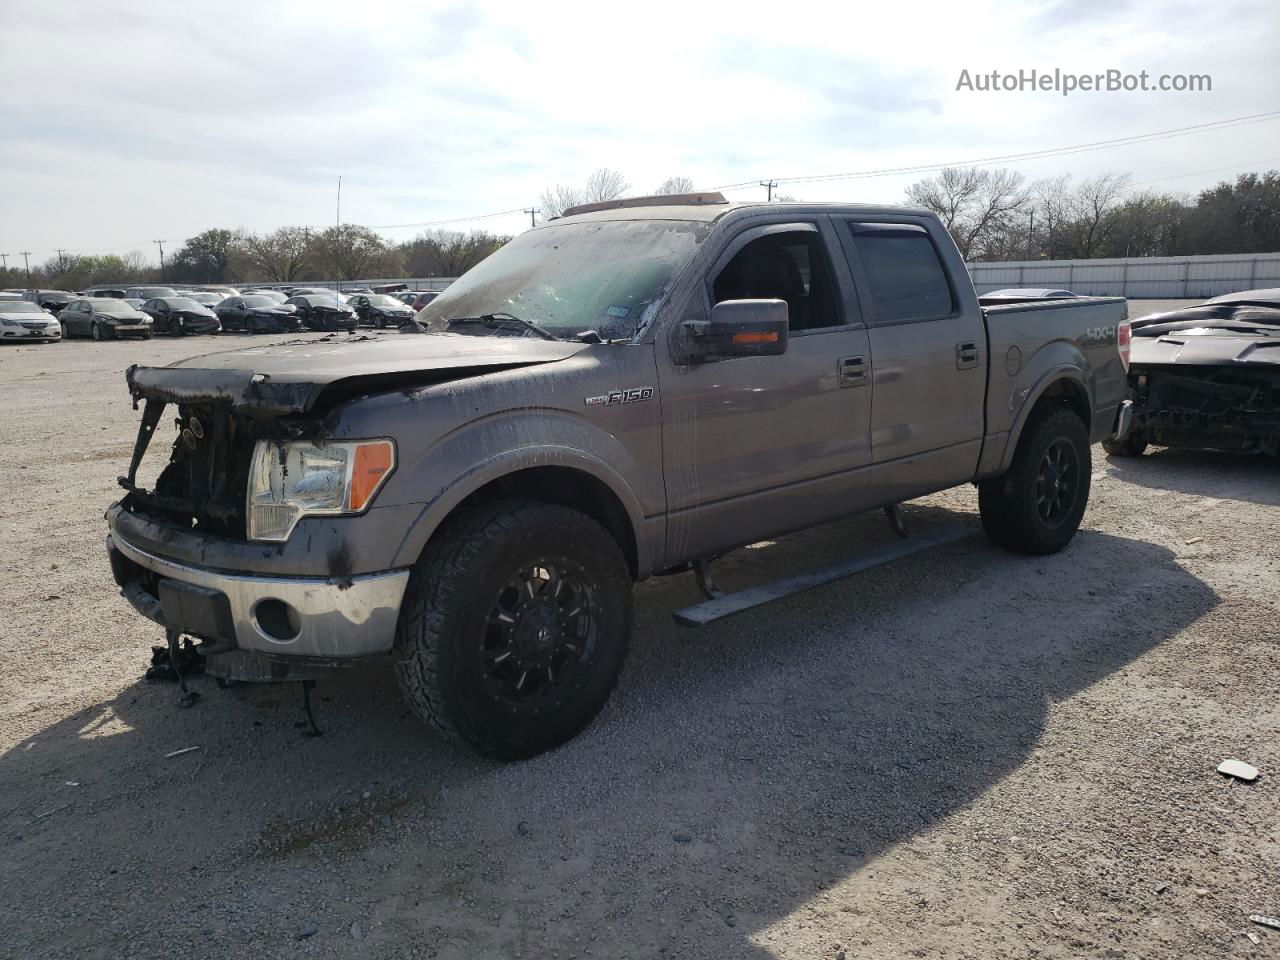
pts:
[904, 272]
[789, 266]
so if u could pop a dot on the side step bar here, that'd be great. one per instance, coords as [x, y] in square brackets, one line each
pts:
[719, 607]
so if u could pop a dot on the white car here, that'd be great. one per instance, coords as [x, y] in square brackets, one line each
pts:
[23, 320]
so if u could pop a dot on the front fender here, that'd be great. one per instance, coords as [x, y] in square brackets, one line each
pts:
[496, 446]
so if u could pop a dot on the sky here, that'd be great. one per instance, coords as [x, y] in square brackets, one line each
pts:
[126, 122]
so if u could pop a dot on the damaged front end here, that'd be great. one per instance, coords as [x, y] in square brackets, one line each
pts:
[1235, 409]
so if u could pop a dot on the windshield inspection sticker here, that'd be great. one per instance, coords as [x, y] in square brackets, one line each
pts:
[614, 397]
[619, 312]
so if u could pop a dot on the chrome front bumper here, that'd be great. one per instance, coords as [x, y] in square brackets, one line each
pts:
[340, 617]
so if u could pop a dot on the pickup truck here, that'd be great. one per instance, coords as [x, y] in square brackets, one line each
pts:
[629, 389]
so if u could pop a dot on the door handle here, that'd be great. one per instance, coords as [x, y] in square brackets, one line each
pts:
[966, 355]
[852, 371]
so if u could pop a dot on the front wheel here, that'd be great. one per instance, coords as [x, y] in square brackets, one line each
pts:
[1036, 507]
[95, 331]
[514, 627]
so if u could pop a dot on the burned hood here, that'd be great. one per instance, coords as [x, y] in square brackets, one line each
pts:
[1210, 334]
[292, 377]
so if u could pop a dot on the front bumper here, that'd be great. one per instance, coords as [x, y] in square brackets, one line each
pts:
[51, 332]
[330, 618]
[1124, 420]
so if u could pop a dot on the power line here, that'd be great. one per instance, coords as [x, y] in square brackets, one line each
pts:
[768, 185]
[1029, 155]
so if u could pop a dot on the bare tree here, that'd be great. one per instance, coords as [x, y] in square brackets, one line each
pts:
[444, 253]
[673, 185]
[1050, 202]
[978, 206]
[1092, 207]
[556, 200]
[281, 254]
[605, 184]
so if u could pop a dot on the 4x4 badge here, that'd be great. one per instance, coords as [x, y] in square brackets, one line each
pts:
[633, 395]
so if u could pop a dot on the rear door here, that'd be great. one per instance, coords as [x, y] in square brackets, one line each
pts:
[928, 339]
[755, 446]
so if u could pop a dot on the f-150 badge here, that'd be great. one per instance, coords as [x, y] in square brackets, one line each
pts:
[633, 395]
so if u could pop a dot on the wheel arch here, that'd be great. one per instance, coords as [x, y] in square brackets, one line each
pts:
[546, 475]
[1064, 385]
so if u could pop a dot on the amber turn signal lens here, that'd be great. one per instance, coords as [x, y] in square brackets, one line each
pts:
[771, 337]
[373, 463]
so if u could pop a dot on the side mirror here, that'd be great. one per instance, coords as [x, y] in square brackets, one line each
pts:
[740, 328]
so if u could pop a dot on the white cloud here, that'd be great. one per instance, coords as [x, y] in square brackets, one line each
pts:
[130, 120]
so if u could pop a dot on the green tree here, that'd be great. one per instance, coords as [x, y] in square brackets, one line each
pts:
[349, 250]
[203, 259]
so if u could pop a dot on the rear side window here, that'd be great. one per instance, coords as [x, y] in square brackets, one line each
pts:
[904, 272]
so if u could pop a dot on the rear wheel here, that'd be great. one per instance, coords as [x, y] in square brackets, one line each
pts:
[514, 627]
[1134, 444]
[1036, 507]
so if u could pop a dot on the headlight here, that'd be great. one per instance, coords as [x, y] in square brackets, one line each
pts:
[288, 481]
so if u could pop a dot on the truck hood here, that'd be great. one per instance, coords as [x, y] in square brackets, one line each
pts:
[292, 377]
[1205, 348]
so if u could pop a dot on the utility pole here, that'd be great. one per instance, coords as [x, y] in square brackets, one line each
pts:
[61, 265]
[4, 257]
[337, 230]
[533, 215]
[1031, 235]
[160, 244]
[26, 262]
[769, 186]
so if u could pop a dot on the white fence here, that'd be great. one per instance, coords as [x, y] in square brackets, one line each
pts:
[1155, 278]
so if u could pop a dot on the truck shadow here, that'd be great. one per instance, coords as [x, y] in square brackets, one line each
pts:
[1203, 473]
[738, 773]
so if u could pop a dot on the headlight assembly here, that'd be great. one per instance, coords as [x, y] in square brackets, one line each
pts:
[289, 481]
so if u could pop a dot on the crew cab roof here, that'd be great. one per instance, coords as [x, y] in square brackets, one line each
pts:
[717, 211]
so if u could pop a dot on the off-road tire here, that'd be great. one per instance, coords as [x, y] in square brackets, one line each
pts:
[1009, 503]
[452, 591]
[1134, 444]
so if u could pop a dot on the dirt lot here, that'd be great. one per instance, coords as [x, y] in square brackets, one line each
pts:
[967, 754]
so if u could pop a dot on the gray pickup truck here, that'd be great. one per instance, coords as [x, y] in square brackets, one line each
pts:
[627, 390]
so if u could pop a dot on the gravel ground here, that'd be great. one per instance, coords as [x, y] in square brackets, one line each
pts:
[966, 754]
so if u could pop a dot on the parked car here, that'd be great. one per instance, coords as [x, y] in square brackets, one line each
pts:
[218, 288]
[51, 300]
[148, 293]
[324, 311]
[1207, 377]
[27, 322]
[355, 290]
[257, 314]
[422, 297]
[8, 295]
[205, 298]
[379, 310]
[312, 291]
[104, 318]
[180, 316]
[117, 292]
[1024, 295]
[608, 395]
[275, 295]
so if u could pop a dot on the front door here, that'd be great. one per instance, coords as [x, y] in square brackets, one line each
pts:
[757, 446]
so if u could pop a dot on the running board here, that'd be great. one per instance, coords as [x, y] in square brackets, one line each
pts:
[709, 611]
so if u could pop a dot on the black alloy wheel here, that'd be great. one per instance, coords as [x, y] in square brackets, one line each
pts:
[1057, 482]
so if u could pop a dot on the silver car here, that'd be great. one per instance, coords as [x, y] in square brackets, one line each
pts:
[26, 321]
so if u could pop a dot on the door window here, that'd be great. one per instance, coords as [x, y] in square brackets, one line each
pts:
[788, 266]
[904, 272]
